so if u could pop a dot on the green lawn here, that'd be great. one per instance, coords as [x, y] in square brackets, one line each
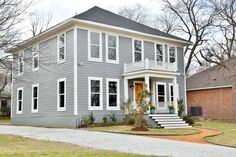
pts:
[5, 120]
[15, 146]
[228, 138]
[153, 131]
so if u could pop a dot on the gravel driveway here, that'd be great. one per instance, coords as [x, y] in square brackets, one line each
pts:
[120, 142]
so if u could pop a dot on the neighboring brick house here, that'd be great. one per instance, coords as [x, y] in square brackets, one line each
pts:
[210, 94]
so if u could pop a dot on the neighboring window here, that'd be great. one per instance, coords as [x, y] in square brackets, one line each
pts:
[61, 94]
[61, 48]
[172, 54]
[112, 55]
[138, 56]
[159, 52]
[113, 94]
[35, 58]
[95, 93]
[171, 91]
[19, 100]
[161, 92]
[95, 49]
[35, 95]
[21, 63]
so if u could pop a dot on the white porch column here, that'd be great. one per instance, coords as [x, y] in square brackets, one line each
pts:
[175, 93]
[126, 88]
[147, 83]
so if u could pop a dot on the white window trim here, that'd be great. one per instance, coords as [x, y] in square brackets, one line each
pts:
[58, 97]
[165, 96]
[23, 63]
[58, 49]
[163, 48]
[176, 58]
[118, 93]
[100, 47]
[37, 48]
[32, 102]
[142, 43]
[171, 84]
[117, 50]
[134, 88]
[89, 93]
[17, 106]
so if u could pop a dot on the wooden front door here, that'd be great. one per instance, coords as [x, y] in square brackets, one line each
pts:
[138, 88]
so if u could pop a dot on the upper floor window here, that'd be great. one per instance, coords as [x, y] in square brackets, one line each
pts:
[35, 58]
[112, 55]
[35, 95]
[172, 54]
[61, 56]
[61, 94]
[113, 94]
[19, 100]
[137, 50]
[159, 52]
[95, 93]
[95, 48]
[21, 63]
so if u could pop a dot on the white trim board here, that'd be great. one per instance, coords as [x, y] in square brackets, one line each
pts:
[75, 72]
[204, 88]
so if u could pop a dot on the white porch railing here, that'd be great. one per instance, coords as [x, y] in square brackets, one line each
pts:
[150, 65]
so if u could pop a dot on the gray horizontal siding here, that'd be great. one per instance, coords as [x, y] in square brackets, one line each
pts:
[47, 75]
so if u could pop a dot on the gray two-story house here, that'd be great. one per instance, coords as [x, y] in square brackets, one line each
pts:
[93, 62]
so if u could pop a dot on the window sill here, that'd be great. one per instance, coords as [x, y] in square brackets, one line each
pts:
[113, 108]
[95, 108]
[35, 69]
[61, 61]
[19, 112]
[112, 62]
[95, 59]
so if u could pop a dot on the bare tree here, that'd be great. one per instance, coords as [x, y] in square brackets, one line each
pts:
[195, 21]
[222, 52]
[12, 12]
[135, 12]
[166, 22]
[39, 22]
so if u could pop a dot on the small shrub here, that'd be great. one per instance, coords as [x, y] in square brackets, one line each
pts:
[104, 119]
[113, 118]
[188, 119]
[140, 122]
[85, 121]
[181, 107]
[91, 118]
[129, 119]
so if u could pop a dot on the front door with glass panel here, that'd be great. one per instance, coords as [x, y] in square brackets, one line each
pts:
[161, 97]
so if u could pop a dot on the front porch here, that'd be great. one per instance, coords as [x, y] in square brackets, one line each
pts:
[163, 86]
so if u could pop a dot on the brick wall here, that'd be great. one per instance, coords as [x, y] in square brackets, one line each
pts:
[215, 103]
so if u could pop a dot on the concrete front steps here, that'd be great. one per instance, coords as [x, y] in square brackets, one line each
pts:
[169, 121]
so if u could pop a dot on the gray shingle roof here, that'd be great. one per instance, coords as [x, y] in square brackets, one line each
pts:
[103, 16]
[215, 76]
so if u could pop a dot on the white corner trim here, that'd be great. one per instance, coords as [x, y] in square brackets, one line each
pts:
[75, 72]
[205, 88]
[58, 98]
[89, 47]
[117, 49]
[100, 94]
[17, 106]
[32, 99]
[58, 49]
[118, 94]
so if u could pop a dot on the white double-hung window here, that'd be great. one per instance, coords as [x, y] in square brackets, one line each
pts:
[137, 50]
[113, 94]
[35, 58]
[61, 50]
[95, 95]
[35, 97]
[61, 94]
[159, 53]
[95, 46]
[19, 101]
[172, 54]
[112, 51]
[21, 63]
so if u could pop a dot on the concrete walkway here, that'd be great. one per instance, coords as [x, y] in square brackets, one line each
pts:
[120, 142]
